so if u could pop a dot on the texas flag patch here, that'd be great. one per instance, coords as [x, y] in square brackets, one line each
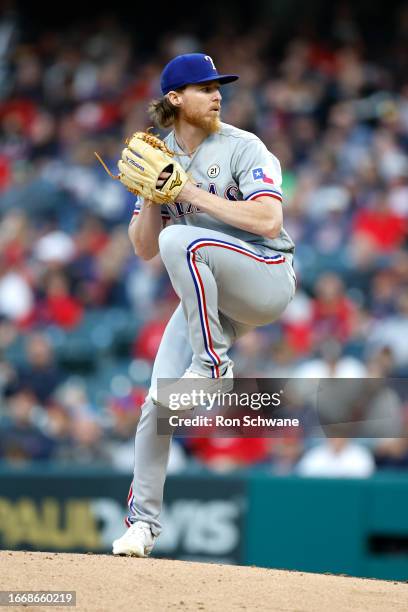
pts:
[262, 174]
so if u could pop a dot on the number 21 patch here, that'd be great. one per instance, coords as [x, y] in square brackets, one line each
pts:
[213, 171]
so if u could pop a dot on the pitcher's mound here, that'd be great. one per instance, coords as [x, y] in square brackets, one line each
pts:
[104, 583]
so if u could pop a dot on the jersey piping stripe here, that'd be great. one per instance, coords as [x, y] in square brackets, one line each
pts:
[199, 287]
[268, 259]
[264, 192]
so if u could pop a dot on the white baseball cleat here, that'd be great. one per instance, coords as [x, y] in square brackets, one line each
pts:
[137, 541]
[196, 382]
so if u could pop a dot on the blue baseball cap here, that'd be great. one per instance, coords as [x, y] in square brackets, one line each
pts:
[190, 69]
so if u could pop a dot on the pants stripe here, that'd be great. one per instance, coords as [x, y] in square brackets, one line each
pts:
[202, 309]
[130, 504]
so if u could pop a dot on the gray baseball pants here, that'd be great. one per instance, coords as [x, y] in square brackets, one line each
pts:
[226, 288]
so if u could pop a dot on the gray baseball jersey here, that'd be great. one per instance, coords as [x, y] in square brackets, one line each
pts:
[233, 164]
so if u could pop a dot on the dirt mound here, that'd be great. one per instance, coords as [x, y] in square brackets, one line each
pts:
[104, 582]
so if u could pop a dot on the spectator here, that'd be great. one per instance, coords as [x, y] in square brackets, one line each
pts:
[124, 413]
[22, 439]
[285, 453]
[227, 454]
[332, 310]
[377, 230]
[41, 373]
[330, 363]
[392, 332]
[392, 453]
[147, 342]
[88, 446]
[336, 458]
[16, 294]
[249, 354]
[58, 307]
[58, 426]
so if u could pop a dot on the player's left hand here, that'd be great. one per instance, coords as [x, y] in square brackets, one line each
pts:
[162, 179]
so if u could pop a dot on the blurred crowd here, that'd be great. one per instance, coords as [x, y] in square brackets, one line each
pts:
[81, 316]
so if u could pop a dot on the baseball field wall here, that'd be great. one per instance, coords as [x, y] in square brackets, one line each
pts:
[354, 527]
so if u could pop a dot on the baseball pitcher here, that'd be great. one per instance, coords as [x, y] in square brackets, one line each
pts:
[210, 202]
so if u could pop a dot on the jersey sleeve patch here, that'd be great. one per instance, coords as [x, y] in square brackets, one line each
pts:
[263, 175]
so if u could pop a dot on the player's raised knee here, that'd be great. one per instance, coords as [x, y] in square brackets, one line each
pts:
[172, 240]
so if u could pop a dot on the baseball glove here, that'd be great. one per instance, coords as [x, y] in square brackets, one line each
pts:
[142, 161]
